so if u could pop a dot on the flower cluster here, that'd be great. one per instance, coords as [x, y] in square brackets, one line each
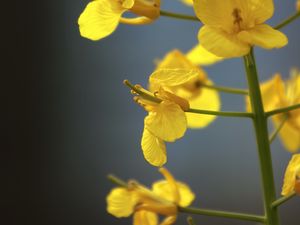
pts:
[146, 204]
[179, 87]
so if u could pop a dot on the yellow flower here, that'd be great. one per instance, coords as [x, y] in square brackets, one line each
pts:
[146, 204]
[188, 2]
[101, 17]
[166, 120]
[292, 177]
[277, 94]
[200, 56]
[298, 5]
[187, 85]
[232, 27]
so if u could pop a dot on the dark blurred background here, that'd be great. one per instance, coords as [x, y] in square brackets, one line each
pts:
[69, 121]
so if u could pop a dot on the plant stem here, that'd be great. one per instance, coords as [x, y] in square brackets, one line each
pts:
[178, 16]
[288, 20]
[191, 221]
[283, 200]
[220, 113]
[116, 180]
[224, 214]
[226, 89]
[262, 139]
[283, 110]
[276, 131]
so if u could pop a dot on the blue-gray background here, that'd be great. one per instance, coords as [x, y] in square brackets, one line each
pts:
[73, 122]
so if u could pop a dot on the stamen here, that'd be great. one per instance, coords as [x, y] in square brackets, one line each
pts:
[237, 17]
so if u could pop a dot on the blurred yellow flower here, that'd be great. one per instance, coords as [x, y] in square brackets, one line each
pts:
[291, 181]
[188, 2]
[101, 17]
[187, 85]
[232, 27]
[277, 94]
[298, 5]
[200, 56]
[147, 204]
[166, 119]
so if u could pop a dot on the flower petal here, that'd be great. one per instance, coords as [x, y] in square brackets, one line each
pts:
[143, 217]
[215, 13]
[167, 121]
[208, 99]
[173, 77]
[290, 175]
[270, 90]
[100, 18]
[289, 135]
[121, 202]
[164, 190]
[264, 36]
[222, 44]
[188, 2]
[154, 149]
[200, 56]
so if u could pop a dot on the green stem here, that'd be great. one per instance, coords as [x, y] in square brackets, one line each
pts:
[288, 21]
[226, 89]
[224, 214]
[276, 131]
[283, 110]
[116, 180]
[220, 113]
[283, 200]
[178, 16]
[262, 139]
[190, 221]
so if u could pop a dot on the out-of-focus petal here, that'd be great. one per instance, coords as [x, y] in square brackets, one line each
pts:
[164, 190]
[200, 56]
[121, 202]
[290, 175]
[143, 217]
[208, 99]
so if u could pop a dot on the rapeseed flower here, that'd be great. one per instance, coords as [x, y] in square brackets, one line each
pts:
[146, 204]
[100, 18]
[198, 55]
[232, 27]
[278, 94]
[291, 181]
[186, 86]
[166, 119]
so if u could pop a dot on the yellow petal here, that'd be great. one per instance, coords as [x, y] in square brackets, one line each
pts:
[290, 175]
[215, 13]
[127, 4]
[121, 202]
[219, 13]
[100, 18]
[200, 56]
[187, 2]
[270, 93]
[264, 36]
[172, 77]
[154, 149]
[222, 44]
[208, 99]
[175, 59]
[143, 217]
[169, 220]
[289, 135]
[164, 190]
[167, 121]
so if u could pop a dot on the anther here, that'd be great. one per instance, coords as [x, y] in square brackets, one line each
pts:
[237, 17]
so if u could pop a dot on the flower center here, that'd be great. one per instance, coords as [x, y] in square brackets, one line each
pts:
[237, 18]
